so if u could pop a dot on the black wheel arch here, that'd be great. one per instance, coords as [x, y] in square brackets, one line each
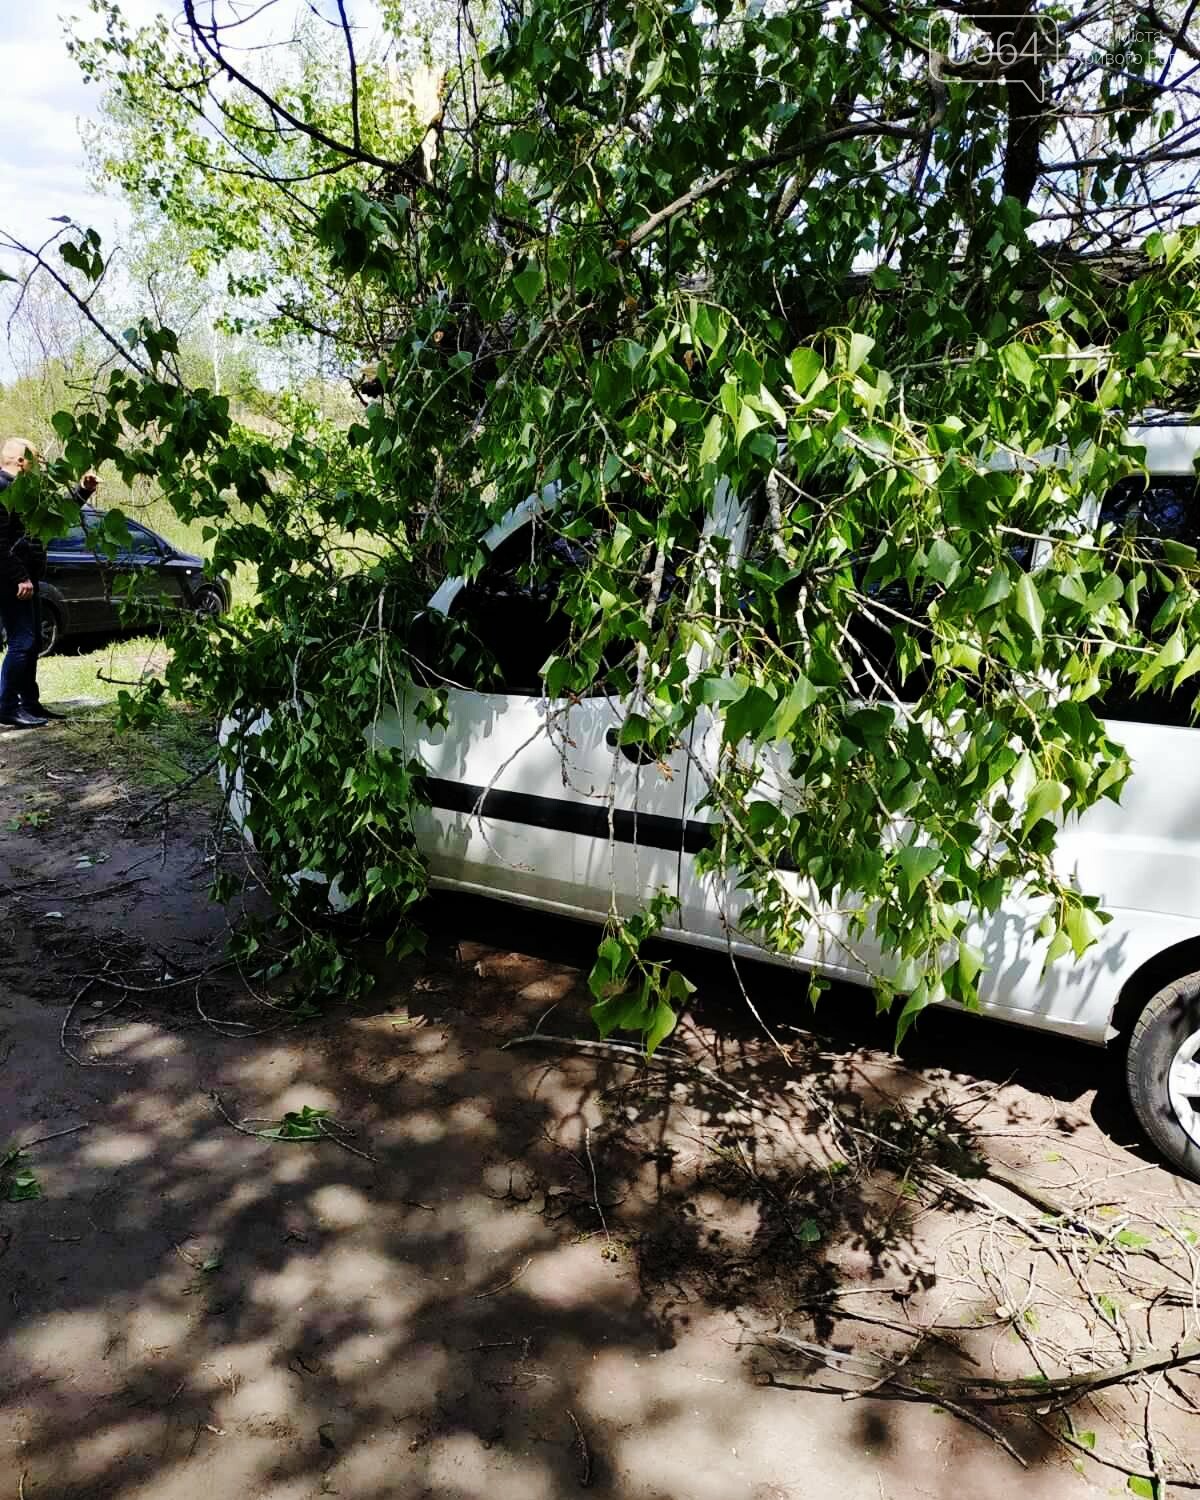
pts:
[1145, 982]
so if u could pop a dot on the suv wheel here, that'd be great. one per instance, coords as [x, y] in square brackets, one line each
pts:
[1162, 1072]
[51, 629]
[208, 602]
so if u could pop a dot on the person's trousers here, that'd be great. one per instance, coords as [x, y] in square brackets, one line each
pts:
[22, 622]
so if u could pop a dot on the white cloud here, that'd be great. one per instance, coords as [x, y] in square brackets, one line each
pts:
[43, 171]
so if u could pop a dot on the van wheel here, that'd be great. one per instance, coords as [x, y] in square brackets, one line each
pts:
[1162, 1072]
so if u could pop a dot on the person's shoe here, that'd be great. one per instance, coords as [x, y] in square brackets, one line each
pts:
[21, 718]
[40, 711]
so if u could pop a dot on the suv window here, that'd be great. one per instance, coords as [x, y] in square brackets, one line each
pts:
[75, 540]
[143, 543]
[1163, 507]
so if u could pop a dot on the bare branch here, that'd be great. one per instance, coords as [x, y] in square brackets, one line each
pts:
[353, 76]
[314, 132]
[81, 303]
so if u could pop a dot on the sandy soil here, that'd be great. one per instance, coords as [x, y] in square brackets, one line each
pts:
[526, 1271]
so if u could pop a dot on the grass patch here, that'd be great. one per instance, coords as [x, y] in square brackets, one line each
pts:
[88, 674]
[83, 667]
[169, 751]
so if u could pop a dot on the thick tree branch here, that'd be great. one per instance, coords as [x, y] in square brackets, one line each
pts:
[756, 164]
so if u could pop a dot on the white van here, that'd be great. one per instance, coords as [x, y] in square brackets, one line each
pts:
[534, 801]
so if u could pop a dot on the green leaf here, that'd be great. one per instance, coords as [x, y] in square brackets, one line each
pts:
[806, 366]
[1189, 668]
[653, 73]
[1046, 798]
[298, 1125]
[861, 345]
[1029, 605]
[1019, 363]
[1171, 655]
[747, 422]
[710, 448]
[557, 673]
[1178, 554]
[916, 862]
[22, 1187]
[1110, 390]
[1130, 1239]
[1139, 1485]
[998, 589]
[1107, 591]
[748, 717]
[610, 1015]
[1060, 946]
[770, 405]
[802, 697]
[710, 326]
[528, 282]
[662, 1024]
[942, 562]
[915, 1004]
[970, 961]
[1083, 926]
[635, 730]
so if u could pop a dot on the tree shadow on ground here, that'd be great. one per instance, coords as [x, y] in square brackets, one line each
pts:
[536, 1271]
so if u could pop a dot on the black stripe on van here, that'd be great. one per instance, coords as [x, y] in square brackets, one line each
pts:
[587, 819]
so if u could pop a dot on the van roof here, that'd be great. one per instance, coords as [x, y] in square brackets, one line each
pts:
[1171, 446]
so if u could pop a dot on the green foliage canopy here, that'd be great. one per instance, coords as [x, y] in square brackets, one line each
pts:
[645, 248]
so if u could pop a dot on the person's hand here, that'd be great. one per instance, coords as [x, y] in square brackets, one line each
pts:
[25, 589]
[89, 482]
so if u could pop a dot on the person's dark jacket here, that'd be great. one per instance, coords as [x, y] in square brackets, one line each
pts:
[22, 557]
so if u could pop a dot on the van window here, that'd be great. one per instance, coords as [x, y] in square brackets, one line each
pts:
[507, 622]
[515, 623]
[1163, 507]
[1149, 511]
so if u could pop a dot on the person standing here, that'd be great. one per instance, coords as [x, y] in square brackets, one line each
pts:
[22, 563]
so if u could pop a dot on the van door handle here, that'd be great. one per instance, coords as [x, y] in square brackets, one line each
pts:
[640, 755]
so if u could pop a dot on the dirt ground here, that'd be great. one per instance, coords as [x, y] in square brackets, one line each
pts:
[528, 1269]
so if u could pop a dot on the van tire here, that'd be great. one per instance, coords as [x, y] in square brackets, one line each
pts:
[1168, 1020]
